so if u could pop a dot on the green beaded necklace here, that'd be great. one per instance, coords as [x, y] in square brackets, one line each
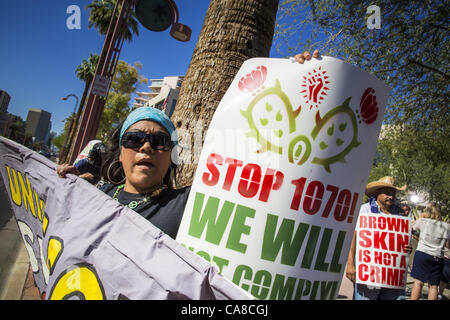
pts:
[133, 204]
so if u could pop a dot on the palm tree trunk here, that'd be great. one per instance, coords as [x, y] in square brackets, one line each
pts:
[233, 31]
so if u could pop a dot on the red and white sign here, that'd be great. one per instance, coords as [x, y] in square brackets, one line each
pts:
[279, 181]
[381, 257]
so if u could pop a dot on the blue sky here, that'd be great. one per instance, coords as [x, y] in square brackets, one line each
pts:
[39, 54]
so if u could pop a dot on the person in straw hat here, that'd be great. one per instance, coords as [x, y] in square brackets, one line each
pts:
[382, 194]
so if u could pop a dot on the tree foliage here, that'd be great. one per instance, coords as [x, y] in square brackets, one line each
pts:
[410, 52]
[85, 72]
[416, 159]
[58, 141]
[17, 130]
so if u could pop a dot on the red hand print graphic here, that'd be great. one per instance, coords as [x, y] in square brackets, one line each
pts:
[314, 87]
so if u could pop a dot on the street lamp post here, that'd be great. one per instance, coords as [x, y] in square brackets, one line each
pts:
[155, 15]
[62, 154]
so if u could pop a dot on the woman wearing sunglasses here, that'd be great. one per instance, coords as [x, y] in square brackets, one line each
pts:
[139, 170]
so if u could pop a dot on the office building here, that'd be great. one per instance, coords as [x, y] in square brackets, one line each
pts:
[163, 94]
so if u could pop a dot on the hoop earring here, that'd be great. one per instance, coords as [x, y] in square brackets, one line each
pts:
[170, 177]
[109, 177]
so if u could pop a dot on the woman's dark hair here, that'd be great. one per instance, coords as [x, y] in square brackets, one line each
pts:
[112, 170]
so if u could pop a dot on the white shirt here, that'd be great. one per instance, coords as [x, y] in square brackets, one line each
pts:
[365, 208]
[433, 234]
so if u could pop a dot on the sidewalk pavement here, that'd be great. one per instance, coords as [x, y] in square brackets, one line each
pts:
[17, 283]
[14, 262]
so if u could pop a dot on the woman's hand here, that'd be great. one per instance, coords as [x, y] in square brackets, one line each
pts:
[301, 57]
[65, 168]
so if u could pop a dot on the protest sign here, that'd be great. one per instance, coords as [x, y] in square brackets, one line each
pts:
[381, 259]
[281, 176]
[82, 244]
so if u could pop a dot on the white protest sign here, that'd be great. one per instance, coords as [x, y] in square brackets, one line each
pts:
[281, 176]
[381, 258]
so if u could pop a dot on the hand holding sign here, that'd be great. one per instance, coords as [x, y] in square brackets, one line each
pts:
[301, 57]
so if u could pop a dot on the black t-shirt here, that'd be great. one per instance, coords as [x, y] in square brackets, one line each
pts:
[164, 210]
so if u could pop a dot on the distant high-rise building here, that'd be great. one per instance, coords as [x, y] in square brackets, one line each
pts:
[38, 123]
[4, 101]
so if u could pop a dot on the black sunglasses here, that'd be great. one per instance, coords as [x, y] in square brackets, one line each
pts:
[136, 139]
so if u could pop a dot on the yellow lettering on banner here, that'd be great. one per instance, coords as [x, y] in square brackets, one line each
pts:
[27, 194]
[38, 207]
[81, 282]
[15, 191]
[54, 250]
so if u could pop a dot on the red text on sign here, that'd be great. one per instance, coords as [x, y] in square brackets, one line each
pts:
[383, 240]
[381, 275]
[382, 222]
[343, 202]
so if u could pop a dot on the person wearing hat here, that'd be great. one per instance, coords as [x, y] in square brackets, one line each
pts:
[382, 194]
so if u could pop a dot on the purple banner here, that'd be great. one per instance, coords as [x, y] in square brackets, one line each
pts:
[83, 244]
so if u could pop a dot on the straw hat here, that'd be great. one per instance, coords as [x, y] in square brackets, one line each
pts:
[385, 182]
